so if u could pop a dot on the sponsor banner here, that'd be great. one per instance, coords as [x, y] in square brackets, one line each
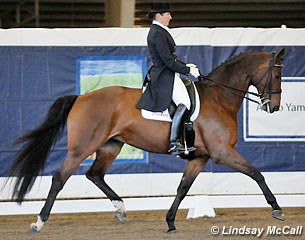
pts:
[39, 65]
[285, 125]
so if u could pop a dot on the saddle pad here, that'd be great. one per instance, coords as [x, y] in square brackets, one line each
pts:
[165, 116]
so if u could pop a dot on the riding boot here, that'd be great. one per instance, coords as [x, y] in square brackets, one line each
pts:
[175, 146]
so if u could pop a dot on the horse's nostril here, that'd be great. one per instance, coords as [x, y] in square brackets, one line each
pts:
[276, 108]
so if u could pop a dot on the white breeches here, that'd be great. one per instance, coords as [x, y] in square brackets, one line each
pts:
[180, 94]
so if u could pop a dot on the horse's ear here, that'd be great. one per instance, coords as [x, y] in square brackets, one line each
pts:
[280, 55]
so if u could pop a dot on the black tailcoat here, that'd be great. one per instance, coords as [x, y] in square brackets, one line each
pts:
[161, 46]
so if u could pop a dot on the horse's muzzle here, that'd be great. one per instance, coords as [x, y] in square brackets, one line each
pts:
[276, 108]
[269, 107]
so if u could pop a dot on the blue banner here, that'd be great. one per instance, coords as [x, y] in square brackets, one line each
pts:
[32, 77]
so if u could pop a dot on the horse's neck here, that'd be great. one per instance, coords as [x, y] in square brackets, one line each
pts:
[236, 74]
[225, 96]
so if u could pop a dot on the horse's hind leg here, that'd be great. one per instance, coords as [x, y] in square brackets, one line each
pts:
[232, 159]
[104, 159]
[70, 164]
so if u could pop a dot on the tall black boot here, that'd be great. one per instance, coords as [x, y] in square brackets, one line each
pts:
[175, 146]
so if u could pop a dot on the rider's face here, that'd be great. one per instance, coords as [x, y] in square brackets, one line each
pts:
[164, 18]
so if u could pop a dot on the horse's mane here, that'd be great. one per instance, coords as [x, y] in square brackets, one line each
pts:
[233, 59]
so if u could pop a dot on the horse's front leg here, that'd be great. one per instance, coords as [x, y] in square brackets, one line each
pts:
[230, 158]
[104, 159]
[191, 171]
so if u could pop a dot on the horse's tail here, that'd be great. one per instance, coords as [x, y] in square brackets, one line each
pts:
[37, 144]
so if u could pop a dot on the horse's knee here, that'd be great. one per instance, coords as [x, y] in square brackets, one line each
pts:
[220, 154]
[185, 183]
[184, 187]
[216, 158]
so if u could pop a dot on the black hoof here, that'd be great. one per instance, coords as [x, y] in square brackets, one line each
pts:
[278, 214]
[171, 231]
[120, 216]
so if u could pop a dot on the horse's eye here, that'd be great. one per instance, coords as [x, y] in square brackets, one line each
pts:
[277, 77]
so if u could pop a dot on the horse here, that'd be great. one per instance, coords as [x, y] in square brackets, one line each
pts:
[103, 120]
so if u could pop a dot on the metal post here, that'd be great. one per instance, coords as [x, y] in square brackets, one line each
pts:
[37, 19]
[127, 13]
[37, 22]
[18, 15]
[120, 13]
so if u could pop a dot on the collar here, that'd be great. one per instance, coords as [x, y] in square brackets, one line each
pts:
[160, 24]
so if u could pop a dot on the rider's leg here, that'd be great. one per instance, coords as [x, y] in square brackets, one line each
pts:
[182, 100]
[180, 94]
[175, 146]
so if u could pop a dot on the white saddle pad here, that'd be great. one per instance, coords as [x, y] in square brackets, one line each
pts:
[164, 116]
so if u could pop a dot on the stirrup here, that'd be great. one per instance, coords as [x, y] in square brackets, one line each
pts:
[177, 148]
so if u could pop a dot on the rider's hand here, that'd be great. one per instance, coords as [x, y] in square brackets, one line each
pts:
[191, 65]
[194, 71]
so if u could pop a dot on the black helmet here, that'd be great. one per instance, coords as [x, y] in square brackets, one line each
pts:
[158, 8]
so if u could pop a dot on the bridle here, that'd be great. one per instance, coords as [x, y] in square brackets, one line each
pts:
[268, 86]
[267, 89]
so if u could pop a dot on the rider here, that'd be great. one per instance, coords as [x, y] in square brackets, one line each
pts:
[165, 83]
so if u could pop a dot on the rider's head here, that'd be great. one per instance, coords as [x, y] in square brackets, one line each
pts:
[160, 12]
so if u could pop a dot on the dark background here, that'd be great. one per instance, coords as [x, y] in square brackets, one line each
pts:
[191, 13]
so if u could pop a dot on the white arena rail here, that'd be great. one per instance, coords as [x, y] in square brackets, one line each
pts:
[210, 191]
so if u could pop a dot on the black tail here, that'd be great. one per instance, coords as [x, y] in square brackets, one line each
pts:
[31, 158]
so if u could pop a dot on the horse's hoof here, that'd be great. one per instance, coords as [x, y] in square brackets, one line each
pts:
[120, 216]
[34, 228]
[171, 231]
[278, 214]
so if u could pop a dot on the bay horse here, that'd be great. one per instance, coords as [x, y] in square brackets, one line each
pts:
[103, 120]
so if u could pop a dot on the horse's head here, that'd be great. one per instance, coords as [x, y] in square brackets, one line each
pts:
[268, 82]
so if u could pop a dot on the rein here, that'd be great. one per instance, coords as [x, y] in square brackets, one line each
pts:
[233, 90]
[227, 87]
